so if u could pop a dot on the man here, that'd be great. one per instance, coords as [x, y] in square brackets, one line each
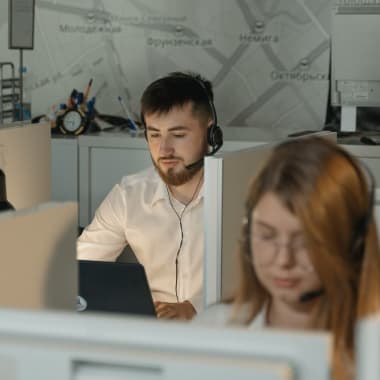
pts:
[159, 211]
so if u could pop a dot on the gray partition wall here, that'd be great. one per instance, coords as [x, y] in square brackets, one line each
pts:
[227, 176]
[367, 349]
[25, 158]
[226, 182]
[39, 266]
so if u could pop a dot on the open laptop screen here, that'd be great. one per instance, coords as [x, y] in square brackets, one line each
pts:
[114, 287]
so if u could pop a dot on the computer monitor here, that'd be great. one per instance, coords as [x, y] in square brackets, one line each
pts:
[25, 158]
[355, 57]
[63, 346]
[367, 348]
[38, 257]
[227, 176]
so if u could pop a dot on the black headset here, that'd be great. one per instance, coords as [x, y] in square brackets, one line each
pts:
[214, 132]
[360, 231]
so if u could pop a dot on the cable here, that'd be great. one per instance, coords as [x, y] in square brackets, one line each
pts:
[179, 216]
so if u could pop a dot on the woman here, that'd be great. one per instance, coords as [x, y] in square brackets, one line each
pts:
[309, 253]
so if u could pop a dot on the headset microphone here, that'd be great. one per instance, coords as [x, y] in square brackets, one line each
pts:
[195, 165]
[309, 296]
[199, 163]
[216, 145]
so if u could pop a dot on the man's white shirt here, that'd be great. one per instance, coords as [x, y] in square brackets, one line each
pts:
[138, 212]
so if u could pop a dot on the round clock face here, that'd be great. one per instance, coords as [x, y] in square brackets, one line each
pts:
[72, 120]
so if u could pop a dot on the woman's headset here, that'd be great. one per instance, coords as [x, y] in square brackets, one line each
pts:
[360, 231]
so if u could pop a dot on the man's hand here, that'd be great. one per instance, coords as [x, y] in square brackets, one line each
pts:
[181, 310]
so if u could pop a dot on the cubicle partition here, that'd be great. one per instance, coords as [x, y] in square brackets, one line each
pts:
[368, 348]
[227, 176]
[38, 257]
[25, 158]
[226, 182]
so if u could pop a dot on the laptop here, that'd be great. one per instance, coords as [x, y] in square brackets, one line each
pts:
[114, 287]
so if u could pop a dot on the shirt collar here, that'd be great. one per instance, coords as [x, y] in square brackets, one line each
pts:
[199, 196]
[161, 193]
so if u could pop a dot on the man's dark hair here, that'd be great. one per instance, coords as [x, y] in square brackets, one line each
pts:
[175, 90]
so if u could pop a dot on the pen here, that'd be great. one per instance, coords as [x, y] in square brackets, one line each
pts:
[130, 122]
[79, 99]
[72, 98]
[91, 107]
[87, 91]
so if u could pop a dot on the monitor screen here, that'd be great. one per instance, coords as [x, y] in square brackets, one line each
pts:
[355, 54]
[355, 71]
[99, 347]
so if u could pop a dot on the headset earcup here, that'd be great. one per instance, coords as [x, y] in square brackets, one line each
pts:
[358, 249]
[210, 135]
[358, 244]
[214, 136]
[218, 136]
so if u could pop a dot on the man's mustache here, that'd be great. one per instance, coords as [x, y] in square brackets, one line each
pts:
[169, 158]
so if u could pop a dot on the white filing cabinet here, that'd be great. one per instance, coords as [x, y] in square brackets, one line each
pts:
[103, 160]
[64, 168]
[85, 168]
[106, 157]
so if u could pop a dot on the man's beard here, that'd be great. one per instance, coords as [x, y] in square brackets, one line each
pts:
[177, 178]
[184, 175]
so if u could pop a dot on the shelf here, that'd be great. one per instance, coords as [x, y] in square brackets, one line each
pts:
[9, 92]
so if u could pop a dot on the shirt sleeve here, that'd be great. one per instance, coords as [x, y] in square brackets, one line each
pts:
[104, 238]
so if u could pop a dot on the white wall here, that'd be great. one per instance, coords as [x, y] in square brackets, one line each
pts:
[268, 61]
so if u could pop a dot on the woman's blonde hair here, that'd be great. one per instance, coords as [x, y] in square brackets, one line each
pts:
[333, 197]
